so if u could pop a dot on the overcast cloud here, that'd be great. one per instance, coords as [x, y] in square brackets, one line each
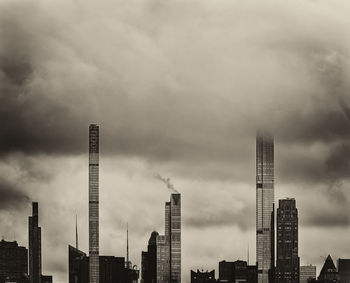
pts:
[179, 87]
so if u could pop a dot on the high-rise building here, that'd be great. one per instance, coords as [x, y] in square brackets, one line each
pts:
[237, 272]
[307, 273]
[175, 238]
[265, 207]
[34, 246]
[94, 203]
[13, 262]
[329, 273]
[344, 270]
[203, 276]
[149, 260]
[287, 242]
[169, 245]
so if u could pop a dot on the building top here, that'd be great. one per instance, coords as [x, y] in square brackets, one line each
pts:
[9, 244]
[328, 266]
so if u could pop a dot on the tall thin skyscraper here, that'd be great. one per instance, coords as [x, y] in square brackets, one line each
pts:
[265, 207]
[287, 242]
[169, 245]
[94, 203]
[175, 238]
[34, 246]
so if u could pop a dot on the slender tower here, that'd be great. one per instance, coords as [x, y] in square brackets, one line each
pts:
[93, 203]
[34, 246]
[175, 238]
[265, 207]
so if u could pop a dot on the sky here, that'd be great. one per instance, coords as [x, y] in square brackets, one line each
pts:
[179, 88]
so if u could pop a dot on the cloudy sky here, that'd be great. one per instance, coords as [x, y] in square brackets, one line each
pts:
[179, 87]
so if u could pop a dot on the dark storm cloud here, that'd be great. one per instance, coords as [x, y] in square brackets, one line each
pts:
[11, 196]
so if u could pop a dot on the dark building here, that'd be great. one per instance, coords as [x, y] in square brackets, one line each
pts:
[344, 270]
[111, 269]
[34, 246]
[329, 273]
[265, 195]
[13, 262]
[287, 270]
[203, 276]
[149, 260]
[46, 279]
[237, 272]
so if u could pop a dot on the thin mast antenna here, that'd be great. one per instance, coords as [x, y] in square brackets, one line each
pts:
[127, 244]
[76, 232]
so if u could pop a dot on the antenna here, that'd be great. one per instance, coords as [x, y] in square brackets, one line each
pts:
[127, 244]
[248, 253]
[76, 232]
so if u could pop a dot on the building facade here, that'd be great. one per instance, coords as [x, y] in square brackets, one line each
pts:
[149, 260]
[329, 273]
[13, 262]
[287, 269]
[94, 203]
[265, 207]
[307, 273]
[111, 269]
[34, 245]
[203, 276]
[344, 270]
[237, 272]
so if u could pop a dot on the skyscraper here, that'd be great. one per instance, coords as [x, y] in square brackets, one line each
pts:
[169, 245]
[287, 242]
[265, 207]
[175, 238]
[34, 246]
[13, 262]
[93, 203]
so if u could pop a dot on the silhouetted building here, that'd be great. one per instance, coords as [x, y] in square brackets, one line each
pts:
[203, 276]
[237, 272]
[111, 269]
[344, 270]
[149, 260]
[94, 203]
[329, 273]
[265, 207]
[35, 275]
[287, 270]
[169, 245]
[13, 262]
[77, 265]
[34, 246]
[46, 279]
[307, 273]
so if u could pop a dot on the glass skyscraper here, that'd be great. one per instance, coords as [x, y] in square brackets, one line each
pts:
[93, 203]
[265, 207]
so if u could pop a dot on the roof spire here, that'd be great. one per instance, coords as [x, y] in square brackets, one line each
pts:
[127, 244]
[76, 232]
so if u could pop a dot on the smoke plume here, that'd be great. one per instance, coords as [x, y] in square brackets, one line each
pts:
[167, 182]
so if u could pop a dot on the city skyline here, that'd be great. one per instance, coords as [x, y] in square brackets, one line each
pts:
[179, 88]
